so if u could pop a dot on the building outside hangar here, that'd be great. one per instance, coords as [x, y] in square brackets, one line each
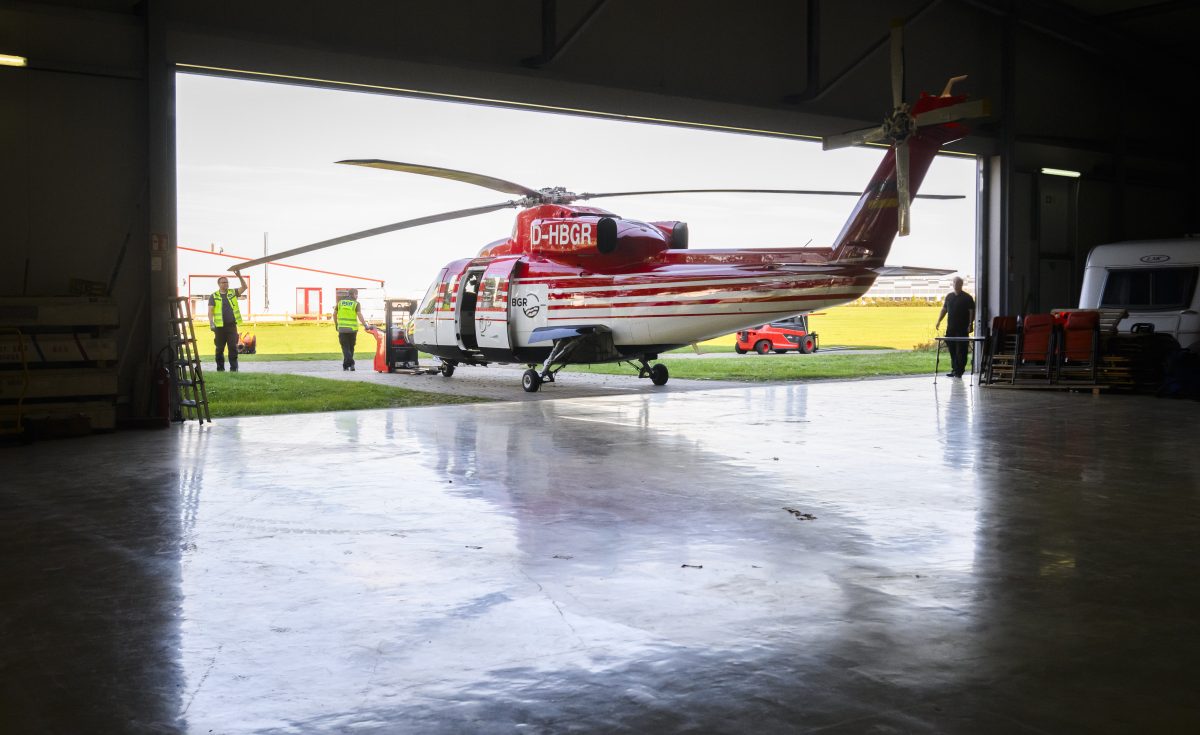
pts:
[278, 292]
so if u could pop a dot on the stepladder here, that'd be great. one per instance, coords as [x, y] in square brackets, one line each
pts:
[187, 378]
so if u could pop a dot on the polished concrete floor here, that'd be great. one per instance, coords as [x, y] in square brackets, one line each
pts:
[890, 556]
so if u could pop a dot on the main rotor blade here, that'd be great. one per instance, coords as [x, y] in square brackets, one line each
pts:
[903, 270]
[902, 192]
[961, 111]
[854, 137]
[817, 192]
[488, 182]
[374, 231]
[897, 63]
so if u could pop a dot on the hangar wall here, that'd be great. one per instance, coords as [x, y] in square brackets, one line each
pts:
[74, 197]
[89, 158]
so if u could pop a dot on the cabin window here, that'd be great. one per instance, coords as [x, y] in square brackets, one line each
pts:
[487, 294]
[446, 293]
[1146, 289]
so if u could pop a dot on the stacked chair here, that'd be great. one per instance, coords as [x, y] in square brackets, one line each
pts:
[1063, 349]
[1000, 354]
[1037, 343]
[1079, 355]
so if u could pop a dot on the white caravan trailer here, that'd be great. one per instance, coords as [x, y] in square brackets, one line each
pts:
[1154, 280]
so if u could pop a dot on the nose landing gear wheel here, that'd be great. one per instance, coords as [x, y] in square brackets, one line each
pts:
[531, 381]
[659, 374]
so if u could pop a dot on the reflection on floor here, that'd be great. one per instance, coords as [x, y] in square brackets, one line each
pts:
[888, 556]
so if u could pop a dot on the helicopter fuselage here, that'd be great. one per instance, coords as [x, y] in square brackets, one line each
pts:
[511, 308]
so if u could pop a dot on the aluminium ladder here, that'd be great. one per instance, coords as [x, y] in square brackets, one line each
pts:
[186, 375]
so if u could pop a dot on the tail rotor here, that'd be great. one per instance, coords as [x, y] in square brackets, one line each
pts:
[901, 124]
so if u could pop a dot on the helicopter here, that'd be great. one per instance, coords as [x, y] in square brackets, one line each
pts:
[577, 284]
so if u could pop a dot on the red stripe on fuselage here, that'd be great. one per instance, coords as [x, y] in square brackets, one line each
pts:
[703, 302]
[618, 291]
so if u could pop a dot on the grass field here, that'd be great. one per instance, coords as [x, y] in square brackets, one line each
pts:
[897, 327]
[756, 368]
[261, 394]
[286, 341]
[250, 394]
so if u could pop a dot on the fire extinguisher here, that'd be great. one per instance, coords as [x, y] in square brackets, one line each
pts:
[162, 392]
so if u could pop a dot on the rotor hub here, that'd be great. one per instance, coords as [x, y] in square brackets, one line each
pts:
[900, 124]
[556, 195]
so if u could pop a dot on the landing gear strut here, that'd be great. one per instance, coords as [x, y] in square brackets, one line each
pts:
[658, 374]
[532, 379]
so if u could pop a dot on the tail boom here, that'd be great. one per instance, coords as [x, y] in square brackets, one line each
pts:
[867, 236]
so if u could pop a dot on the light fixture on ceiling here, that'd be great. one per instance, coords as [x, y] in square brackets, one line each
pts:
[1060, 172]
[9, 60]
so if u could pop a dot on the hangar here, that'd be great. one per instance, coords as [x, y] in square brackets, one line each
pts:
[855, 557]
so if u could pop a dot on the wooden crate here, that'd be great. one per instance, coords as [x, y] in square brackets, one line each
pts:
[30, 314]
[56, 348]
[58, 372]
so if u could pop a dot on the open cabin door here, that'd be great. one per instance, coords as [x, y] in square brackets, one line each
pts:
[493, 332]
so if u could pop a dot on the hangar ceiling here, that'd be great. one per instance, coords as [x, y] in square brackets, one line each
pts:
[795, 66]
[1086, 85]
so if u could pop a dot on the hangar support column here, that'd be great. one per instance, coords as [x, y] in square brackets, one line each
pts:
[160, 90]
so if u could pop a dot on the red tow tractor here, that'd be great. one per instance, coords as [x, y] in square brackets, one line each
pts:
[779, 336]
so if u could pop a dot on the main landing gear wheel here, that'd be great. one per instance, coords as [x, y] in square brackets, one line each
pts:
[531, 381]
[762, 347]
[659, 374]
[447, 369]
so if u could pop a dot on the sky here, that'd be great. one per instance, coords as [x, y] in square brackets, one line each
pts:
[259, 157]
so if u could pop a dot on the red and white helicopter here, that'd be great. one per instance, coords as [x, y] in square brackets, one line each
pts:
[581, 285]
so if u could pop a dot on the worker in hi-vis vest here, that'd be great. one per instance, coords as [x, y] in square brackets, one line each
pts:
[347, 318]
[224, 316]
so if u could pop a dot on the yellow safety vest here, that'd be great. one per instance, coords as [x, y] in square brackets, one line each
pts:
[219, 313]
[347, 316]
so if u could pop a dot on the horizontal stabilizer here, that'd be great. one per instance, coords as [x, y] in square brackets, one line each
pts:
[801, 268]
[835, 269]
[901, 270]
[546, 334]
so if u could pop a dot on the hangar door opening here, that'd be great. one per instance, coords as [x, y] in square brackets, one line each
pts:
[258, 172]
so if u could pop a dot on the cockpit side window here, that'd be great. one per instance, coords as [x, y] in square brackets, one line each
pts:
[429, 302]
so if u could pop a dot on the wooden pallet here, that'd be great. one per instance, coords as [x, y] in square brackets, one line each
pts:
[1094, 388]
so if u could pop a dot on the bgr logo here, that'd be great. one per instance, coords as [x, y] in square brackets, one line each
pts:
[1155, 258]
[529, 305]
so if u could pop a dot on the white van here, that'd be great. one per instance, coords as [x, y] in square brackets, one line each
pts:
[1153, 280]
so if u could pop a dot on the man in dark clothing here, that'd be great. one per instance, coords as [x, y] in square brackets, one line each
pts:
[224, 316]
[960, 308]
